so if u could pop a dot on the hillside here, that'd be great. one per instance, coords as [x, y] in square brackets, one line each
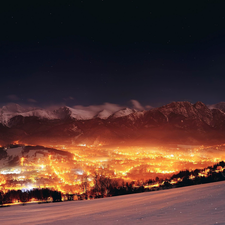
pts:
[200, 204]
[11, 157]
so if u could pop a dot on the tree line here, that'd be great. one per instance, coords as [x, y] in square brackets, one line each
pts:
[106, 187]
[14, 196]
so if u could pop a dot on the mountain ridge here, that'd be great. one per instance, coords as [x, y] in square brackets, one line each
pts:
[176, 122]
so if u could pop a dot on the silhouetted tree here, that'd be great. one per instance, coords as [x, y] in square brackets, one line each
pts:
[1, 198]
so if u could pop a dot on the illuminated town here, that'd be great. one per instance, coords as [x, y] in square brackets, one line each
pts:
[73, 169]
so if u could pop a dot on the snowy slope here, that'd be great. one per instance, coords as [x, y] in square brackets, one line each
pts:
[11, 110]
[41, 113]
[29, 152]
[123, 112]
[78, 114]
[81, 114]
[200, 204]
[103, 114]
[185, 109]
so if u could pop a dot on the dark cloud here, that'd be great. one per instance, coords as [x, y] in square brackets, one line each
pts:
[31, 100]
[70, 98]
[13, 97]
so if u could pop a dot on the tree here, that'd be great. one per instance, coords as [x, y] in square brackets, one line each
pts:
[1, 197]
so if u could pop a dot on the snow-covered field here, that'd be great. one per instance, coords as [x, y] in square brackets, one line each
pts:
[200, 204]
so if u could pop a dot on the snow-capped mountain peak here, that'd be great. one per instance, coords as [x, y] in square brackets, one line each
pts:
[9, 111]
[78, 114]
[13, 108]
[220, 105]
[123, 112]
[103, 114]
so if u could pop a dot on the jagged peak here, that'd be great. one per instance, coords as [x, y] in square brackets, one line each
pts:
[199, 105]
[220, 105]
[177, 104]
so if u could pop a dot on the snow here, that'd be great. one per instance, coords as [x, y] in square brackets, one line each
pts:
[220, 105]
[33, 153]
[136, 115]
[84, 113]
[199, 204]
[123, 112]
[12, 107]
[41, 113]
[80, 114]
[3, 163]
[104, 114]
[9, 111]
[13, 152]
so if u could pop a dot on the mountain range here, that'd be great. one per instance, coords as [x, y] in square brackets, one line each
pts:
[174, 123]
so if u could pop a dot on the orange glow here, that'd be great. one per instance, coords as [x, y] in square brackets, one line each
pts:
[22, 160]
[75, 173]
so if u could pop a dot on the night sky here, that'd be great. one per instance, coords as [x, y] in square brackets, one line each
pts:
[92, 52]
